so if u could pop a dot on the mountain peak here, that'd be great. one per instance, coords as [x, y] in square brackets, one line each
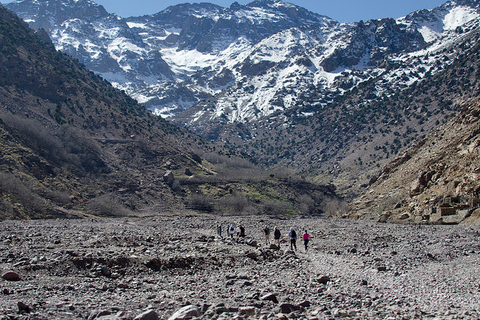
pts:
[288, 9]
[60, 10]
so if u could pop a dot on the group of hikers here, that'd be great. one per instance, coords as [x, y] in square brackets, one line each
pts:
[239, 231]
[231, 231]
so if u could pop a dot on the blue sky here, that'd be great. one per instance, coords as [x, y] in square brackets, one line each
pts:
[340, 10]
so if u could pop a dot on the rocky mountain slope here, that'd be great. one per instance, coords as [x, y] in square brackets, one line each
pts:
[285, 86]
[436, 181]
[72, 144]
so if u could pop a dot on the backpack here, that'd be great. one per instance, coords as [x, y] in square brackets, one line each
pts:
[293, 234]
[277, 233]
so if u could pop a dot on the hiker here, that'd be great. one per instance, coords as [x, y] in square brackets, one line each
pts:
[276, 236]
[242, 231]
[219, 229]
[266, 233]
[231, 230]
[306, 239]
[238, 231]
[293, 239]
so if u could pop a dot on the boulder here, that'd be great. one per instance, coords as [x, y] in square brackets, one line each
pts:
[247, 311]
[274, 247]
[324, 279]
[289, 308]
[11, 276]
[23, 308]
[147, 315]
[187, 312]
[253, 243]
[384, 217]
[270, 297]
[305, 304]
[169, 178]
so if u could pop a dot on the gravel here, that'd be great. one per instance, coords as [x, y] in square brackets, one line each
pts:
[176, 267]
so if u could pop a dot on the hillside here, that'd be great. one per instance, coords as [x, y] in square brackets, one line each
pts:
[436, 181]
[358, 133]
[69, 137]
[71, 144]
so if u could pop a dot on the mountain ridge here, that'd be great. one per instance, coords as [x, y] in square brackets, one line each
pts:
[321, 98]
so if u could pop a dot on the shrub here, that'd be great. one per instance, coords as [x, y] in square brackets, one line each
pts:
[16, 188]
[272, 207]
[200, 202]
[235, 203]
[107, 205]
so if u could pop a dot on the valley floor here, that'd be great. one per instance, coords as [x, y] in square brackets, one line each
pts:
[122, 268]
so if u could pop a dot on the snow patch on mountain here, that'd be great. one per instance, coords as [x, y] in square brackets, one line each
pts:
[459, 16]
[188, 61]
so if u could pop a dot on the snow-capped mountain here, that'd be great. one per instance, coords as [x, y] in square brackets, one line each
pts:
[154, 57]
[252, 59]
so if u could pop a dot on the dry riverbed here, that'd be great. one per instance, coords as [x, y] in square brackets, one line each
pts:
[152, 267]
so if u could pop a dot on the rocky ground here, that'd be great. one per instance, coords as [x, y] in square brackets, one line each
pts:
[175, 267]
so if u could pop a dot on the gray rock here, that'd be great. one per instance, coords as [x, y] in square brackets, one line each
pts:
[270, 297]
[147, 315]
[169, 178]
[187, 312]
[247, 311]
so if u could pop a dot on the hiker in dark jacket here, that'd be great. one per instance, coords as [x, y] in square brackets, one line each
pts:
[266, 234]
[276, 236]
[293, 239]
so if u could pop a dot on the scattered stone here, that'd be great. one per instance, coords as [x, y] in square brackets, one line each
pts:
[340, 313]
[23, 308]
[289, 308]
[164, 266]
[270, 297]
[305, 304]
[106, 271]
[148, 315]
[11, 276]
[324, 279]
[247, 311]
[187, 312]
[169, 178]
